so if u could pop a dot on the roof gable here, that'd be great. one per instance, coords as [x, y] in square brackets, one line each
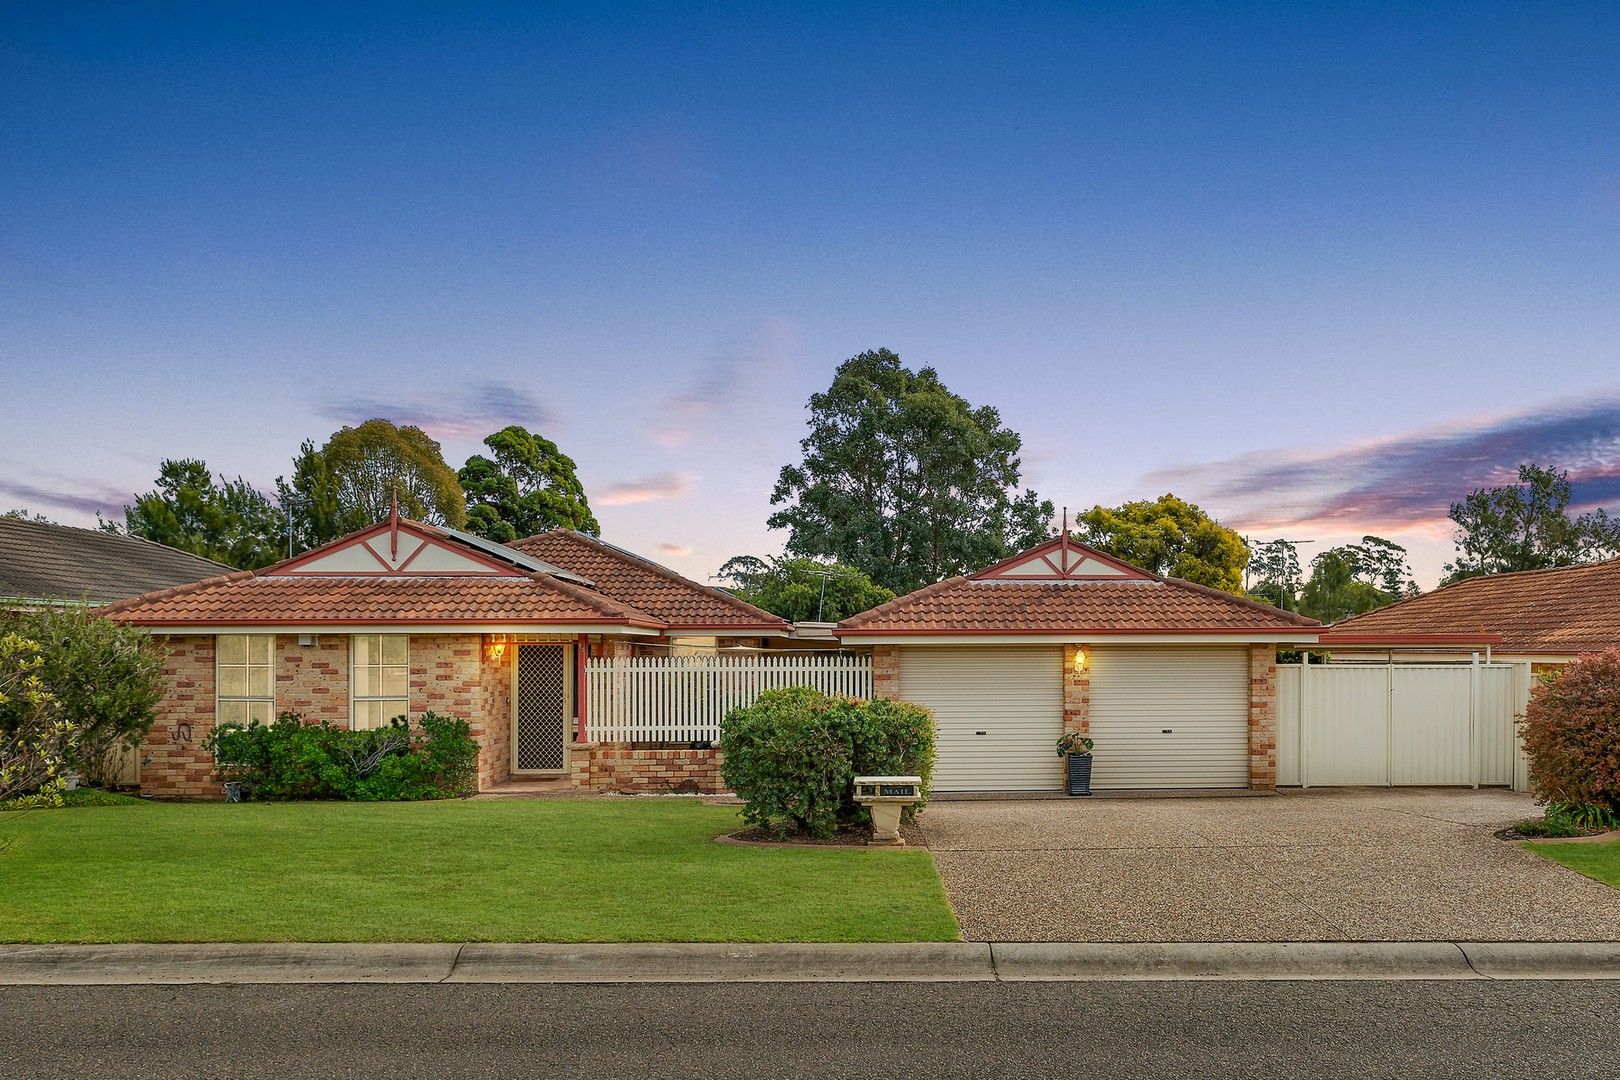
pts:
[1062, 559]
[393, 549]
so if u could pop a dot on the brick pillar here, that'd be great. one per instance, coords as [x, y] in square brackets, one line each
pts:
[1076, 691]
[1263, 717]
[886, 672]
[616, 648]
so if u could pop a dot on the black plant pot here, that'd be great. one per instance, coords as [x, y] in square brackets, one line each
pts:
[1079, 774]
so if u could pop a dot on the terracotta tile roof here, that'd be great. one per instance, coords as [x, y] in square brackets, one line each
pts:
[1573, 609]
[964, 605]
[246, 598]
[655, 589]
[57, 562]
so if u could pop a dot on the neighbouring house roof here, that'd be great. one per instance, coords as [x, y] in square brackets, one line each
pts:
[397, 571]
[1573, 609]
[681, 602]
[43, 563]
[1063, 587]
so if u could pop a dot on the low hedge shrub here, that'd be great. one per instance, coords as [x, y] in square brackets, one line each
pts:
[792, 756]
[435, 758]
[1571, 734]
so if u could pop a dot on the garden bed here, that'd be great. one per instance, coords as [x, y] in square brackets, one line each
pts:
[859, 836]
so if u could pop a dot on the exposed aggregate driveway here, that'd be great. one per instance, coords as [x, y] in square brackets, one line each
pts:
[1317, 865]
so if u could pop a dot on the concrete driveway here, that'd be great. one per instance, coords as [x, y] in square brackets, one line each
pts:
[1319, 865]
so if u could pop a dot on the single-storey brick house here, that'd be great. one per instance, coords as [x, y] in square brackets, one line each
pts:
[1175, 682]
[405, 617]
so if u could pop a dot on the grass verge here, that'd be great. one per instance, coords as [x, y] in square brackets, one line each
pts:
[1598, 861]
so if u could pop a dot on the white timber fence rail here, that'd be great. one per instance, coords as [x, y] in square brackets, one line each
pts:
[682, 699]
[1400, 724]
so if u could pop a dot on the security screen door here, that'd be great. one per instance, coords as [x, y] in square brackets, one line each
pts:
[541, 709]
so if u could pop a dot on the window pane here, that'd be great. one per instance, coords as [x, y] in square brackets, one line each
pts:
[232, 648]
[395, 683]
[394, 647]
[258, 682]
[365, 649]
[365, 681]
[390, 709]
[261, 647]
[365, 713]
[233, 712]
[232, 681]
[260, 711]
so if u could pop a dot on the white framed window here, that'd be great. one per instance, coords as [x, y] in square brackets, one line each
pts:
[244, 678]
[380, 679]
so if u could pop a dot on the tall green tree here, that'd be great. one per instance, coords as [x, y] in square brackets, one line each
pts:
[904, 480]
[525, 487]
[229, 521]
[801, 589]
[352, 481]
[1274, 573]
[1169, 537]
[1526, 526]
[1383, 564]
[1334, 591]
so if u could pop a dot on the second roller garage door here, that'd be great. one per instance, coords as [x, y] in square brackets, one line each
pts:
[1170, 716]
[998, 712]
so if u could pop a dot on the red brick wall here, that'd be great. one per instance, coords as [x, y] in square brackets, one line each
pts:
[1076, 691]
[313, 680]
[616, 767]
[493, 725]
[1263, 717]
[886, 672]
[173, 761]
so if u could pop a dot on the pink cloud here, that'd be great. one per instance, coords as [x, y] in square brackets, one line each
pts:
[677, 550]
[656, 487]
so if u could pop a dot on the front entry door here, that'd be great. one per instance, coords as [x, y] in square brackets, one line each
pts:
[541, 706]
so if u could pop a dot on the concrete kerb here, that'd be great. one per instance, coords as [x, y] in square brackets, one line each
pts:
[84, 965]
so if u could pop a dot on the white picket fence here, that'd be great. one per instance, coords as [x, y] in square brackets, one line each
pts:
[684, 698]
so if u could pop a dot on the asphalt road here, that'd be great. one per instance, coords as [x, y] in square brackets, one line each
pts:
[1117, 1030]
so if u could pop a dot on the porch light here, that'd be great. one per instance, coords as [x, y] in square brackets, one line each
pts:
[1079, 659]
[497, 647]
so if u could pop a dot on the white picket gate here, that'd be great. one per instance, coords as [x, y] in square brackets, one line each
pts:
[1400, 724]
[683, 698]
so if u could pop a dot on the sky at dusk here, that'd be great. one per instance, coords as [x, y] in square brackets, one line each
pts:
[1321, 269]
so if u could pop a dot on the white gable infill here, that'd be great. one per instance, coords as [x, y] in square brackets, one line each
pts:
[393, 550]
[1062, 560]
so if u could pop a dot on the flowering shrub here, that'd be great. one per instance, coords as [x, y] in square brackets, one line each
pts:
[289, 759]
[1572, 736]
[793, 755]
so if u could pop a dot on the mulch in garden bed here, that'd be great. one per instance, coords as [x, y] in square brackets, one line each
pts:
[855, 836]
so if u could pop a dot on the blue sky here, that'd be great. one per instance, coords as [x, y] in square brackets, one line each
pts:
[1319, 270]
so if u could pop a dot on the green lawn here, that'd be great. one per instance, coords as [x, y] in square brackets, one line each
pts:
[632, 870]
[1600, 861]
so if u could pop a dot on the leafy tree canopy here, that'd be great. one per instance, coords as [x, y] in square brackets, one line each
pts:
[351, 482]
[1335, 591]
[527, 486]
[1169, 537]
[801, 589]
[1274, 573]
[904, 480]
[229, 521]
[22, 513]
[1527, 526]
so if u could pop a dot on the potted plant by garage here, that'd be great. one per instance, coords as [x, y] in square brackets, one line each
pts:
[1077, 749]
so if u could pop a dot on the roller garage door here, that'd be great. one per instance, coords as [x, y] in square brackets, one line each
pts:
[1170, 716]
[998, 711]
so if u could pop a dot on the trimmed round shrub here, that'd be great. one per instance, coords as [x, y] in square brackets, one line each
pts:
[1572, 734]
[792, 756]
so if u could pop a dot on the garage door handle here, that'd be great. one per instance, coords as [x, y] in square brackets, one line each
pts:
[1165, 731]
[981, 733]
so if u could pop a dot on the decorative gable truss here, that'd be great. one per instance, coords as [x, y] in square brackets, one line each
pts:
[394, 549]
[1062, 560]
